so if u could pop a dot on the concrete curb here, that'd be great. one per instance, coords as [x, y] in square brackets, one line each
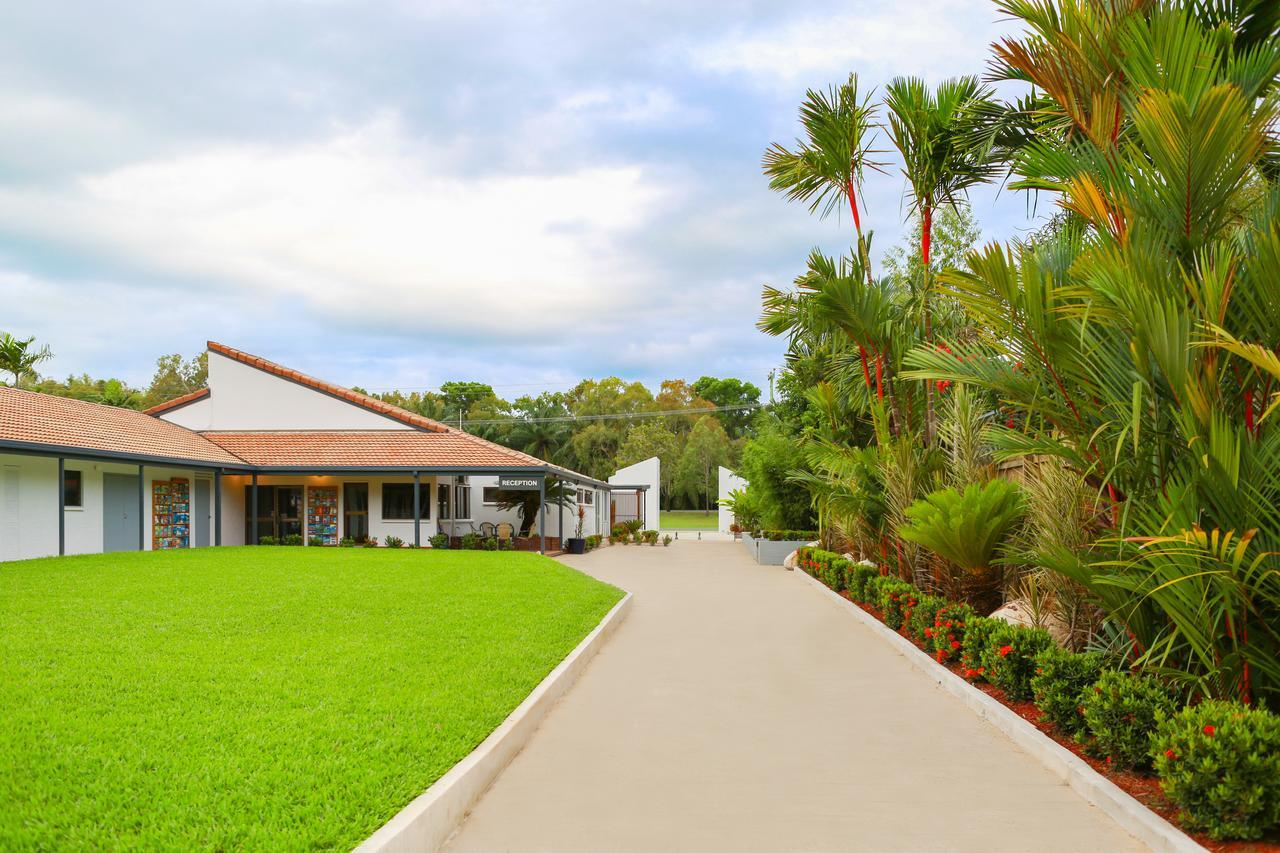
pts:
[428, 821]
[1142, 823]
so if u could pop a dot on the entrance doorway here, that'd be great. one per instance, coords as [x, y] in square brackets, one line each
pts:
[355, 511]
[279, 512]
[120, 528]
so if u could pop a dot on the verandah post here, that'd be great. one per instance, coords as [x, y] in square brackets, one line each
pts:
[62, 506]
[253, 511]
[417, 510]
[542, 514]
[217, 507]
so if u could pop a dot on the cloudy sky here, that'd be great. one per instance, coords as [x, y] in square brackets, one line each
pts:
[397, 194]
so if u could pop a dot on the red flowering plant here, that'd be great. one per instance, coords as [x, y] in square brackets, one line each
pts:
[1010, 660]
[973, 646]
[1220, 763]
[897, 599]
[947, 634]
[922, 617]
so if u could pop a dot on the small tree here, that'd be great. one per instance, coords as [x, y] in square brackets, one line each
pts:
[19, 358]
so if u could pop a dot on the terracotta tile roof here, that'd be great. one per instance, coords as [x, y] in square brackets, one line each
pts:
[191, 397]
[369, 448]
[27, 417]
[362, 400]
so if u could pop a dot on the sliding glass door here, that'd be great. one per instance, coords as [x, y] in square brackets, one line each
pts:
[279, 512]
[355, 511]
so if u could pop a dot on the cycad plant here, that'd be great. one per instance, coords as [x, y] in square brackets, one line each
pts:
[967, 528]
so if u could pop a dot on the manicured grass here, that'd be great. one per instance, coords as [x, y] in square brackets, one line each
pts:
[266, 698]
[688, 519]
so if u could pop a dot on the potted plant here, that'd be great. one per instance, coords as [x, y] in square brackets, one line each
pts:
[578, 545]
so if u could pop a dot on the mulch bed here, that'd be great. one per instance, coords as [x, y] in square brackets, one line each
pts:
[1143, 788]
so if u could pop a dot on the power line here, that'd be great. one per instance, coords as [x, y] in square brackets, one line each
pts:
[617, 416]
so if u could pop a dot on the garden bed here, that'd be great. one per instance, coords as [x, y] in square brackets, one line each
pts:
[249, 697]
[1142, 787]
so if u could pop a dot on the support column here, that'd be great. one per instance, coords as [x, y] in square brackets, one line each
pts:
[253, 511]
[542, 514]
[217, 507]
[417, 510]
[142, 504]
[560, 523]
[62, 505]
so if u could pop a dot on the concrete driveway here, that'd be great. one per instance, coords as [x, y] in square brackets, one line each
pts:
[737, 708]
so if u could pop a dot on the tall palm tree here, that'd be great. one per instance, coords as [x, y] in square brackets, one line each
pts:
[826, 167]
[931, 131]
[538, 436]
[18, 358]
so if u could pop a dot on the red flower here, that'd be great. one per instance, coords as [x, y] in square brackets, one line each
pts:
[1171, 755]
[1209, 730]
[1108, 760]
[955, 644]
[1004, 651]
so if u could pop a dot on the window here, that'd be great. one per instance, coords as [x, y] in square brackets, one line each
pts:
[72, 488]
[462, 498]
[397, 502]
[442, 501]
[586, 497]
[490, 495]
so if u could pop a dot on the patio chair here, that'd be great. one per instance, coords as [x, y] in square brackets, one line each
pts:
[488, 529]
[506, 530]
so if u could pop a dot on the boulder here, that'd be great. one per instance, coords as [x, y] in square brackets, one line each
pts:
[792, 560]
[1019, 612]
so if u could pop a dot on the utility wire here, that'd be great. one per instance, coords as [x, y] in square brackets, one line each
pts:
[619, 416]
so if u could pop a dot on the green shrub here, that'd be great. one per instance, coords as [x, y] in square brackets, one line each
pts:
[666, 541]
[317, 542]
[650, 537]
[346, 542]
[1220, 763]
[506, 544]
[371, 542]
[1010, 658]
[1121, 712]
[973, 649]
[489, 543]
[395, 542]
[593, 541]
[1059, 685]
[897, 598]
[633, 526]
[948, 630]
[618, 529]
[786, 535]
[470, 541]
[293, 539]
[440, 540]
[922, 616]
[859, 581]
[266, 540]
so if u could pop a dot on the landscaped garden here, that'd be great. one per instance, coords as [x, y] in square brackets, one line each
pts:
[1075, 433]
[687, 519]
[261, 698]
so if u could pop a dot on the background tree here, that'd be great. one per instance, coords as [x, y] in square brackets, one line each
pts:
[730, 392]
[706, 449]
[650, 438]
[19, 357]
[175, 377]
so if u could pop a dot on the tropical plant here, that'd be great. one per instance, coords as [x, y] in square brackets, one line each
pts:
[966, 528]
[19, 357]
[529, 503]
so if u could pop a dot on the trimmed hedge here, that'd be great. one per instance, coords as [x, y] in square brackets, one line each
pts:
[1121, 711]
[1010, 658]
[785, 535]
[948, 632]
[1060, 683]
[1220, 764]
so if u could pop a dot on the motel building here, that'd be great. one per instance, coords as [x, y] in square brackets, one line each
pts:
[262, 451]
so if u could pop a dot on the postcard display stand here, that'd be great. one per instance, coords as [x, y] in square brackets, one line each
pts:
[170, 514]
[322, 514]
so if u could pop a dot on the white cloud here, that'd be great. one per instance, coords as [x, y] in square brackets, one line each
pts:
[368, 221]
[933, 38]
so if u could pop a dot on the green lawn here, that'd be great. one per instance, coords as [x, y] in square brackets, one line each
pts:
[267, 698]
[688, 519]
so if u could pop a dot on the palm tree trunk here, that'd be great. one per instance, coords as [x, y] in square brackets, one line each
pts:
[926, 238]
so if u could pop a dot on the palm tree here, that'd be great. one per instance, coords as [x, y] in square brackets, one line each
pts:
[539, 436]
[826, 168]
[528, 502]
[931, 131]
[18, 358]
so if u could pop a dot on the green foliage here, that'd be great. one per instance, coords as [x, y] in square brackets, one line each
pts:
[1121, 711]
[948, 632]
[977, 637]
[1060, 683]
[346, 542]
[705, 450]
[226, 671]
[1009, 658]
[768, 462]
[316, 542]
[266, 540]
[470, 541]
[730, 392]
[896, 599]
[292, 539]
[785, 535]
[394, 542]
[1219, 762]
[19, 357]
[666, 540]
[440, 540]
[858, 581]
[923, 615]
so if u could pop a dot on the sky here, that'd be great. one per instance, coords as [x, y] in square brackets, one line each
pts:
[398, 194]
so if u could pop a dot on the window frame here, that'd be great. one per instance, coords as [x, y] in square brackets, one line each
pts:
[66, 492]
[484, 490]
[424, 506]
[461, 486]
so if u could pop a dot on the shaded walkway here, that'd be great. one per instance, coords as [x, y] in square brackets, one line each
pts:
[737, 708]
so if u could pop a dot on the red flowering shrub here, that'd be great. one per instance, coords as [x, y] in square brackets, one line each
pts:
[920, 624]
[973, 648]
[897, 599]
[947, 633]
[1121, 711]
[1010, 661]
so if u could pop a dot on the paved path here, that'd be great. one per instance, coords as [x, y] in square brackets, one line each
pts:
[737, 708]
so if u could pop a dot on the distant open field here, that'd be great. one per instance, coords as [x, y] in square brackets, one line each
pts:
[688, 519]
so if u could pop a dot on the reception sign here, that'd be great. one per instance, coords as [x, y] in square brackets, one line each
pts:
[513, 483]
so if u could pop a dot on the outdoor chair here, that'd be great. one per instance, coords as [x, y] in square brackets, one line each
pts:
[506, 530]
[488, 529]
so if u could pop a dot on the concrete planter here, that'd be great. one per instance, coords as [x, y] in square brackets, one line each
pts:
[770, 553]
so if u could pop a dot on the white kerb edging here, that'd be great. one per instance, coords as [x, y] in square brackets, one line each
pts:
[428, 821]
[1142, 823]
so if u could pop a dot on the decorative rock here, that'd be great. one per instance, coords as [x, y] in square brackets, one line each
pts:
[1019, 612]
[791, 560]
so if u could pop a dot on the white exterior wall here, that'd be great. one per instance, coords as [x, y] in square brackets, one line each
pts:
[646, 473]
[244, 397]
[729, 482]
[31, 528]
[592, 524]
